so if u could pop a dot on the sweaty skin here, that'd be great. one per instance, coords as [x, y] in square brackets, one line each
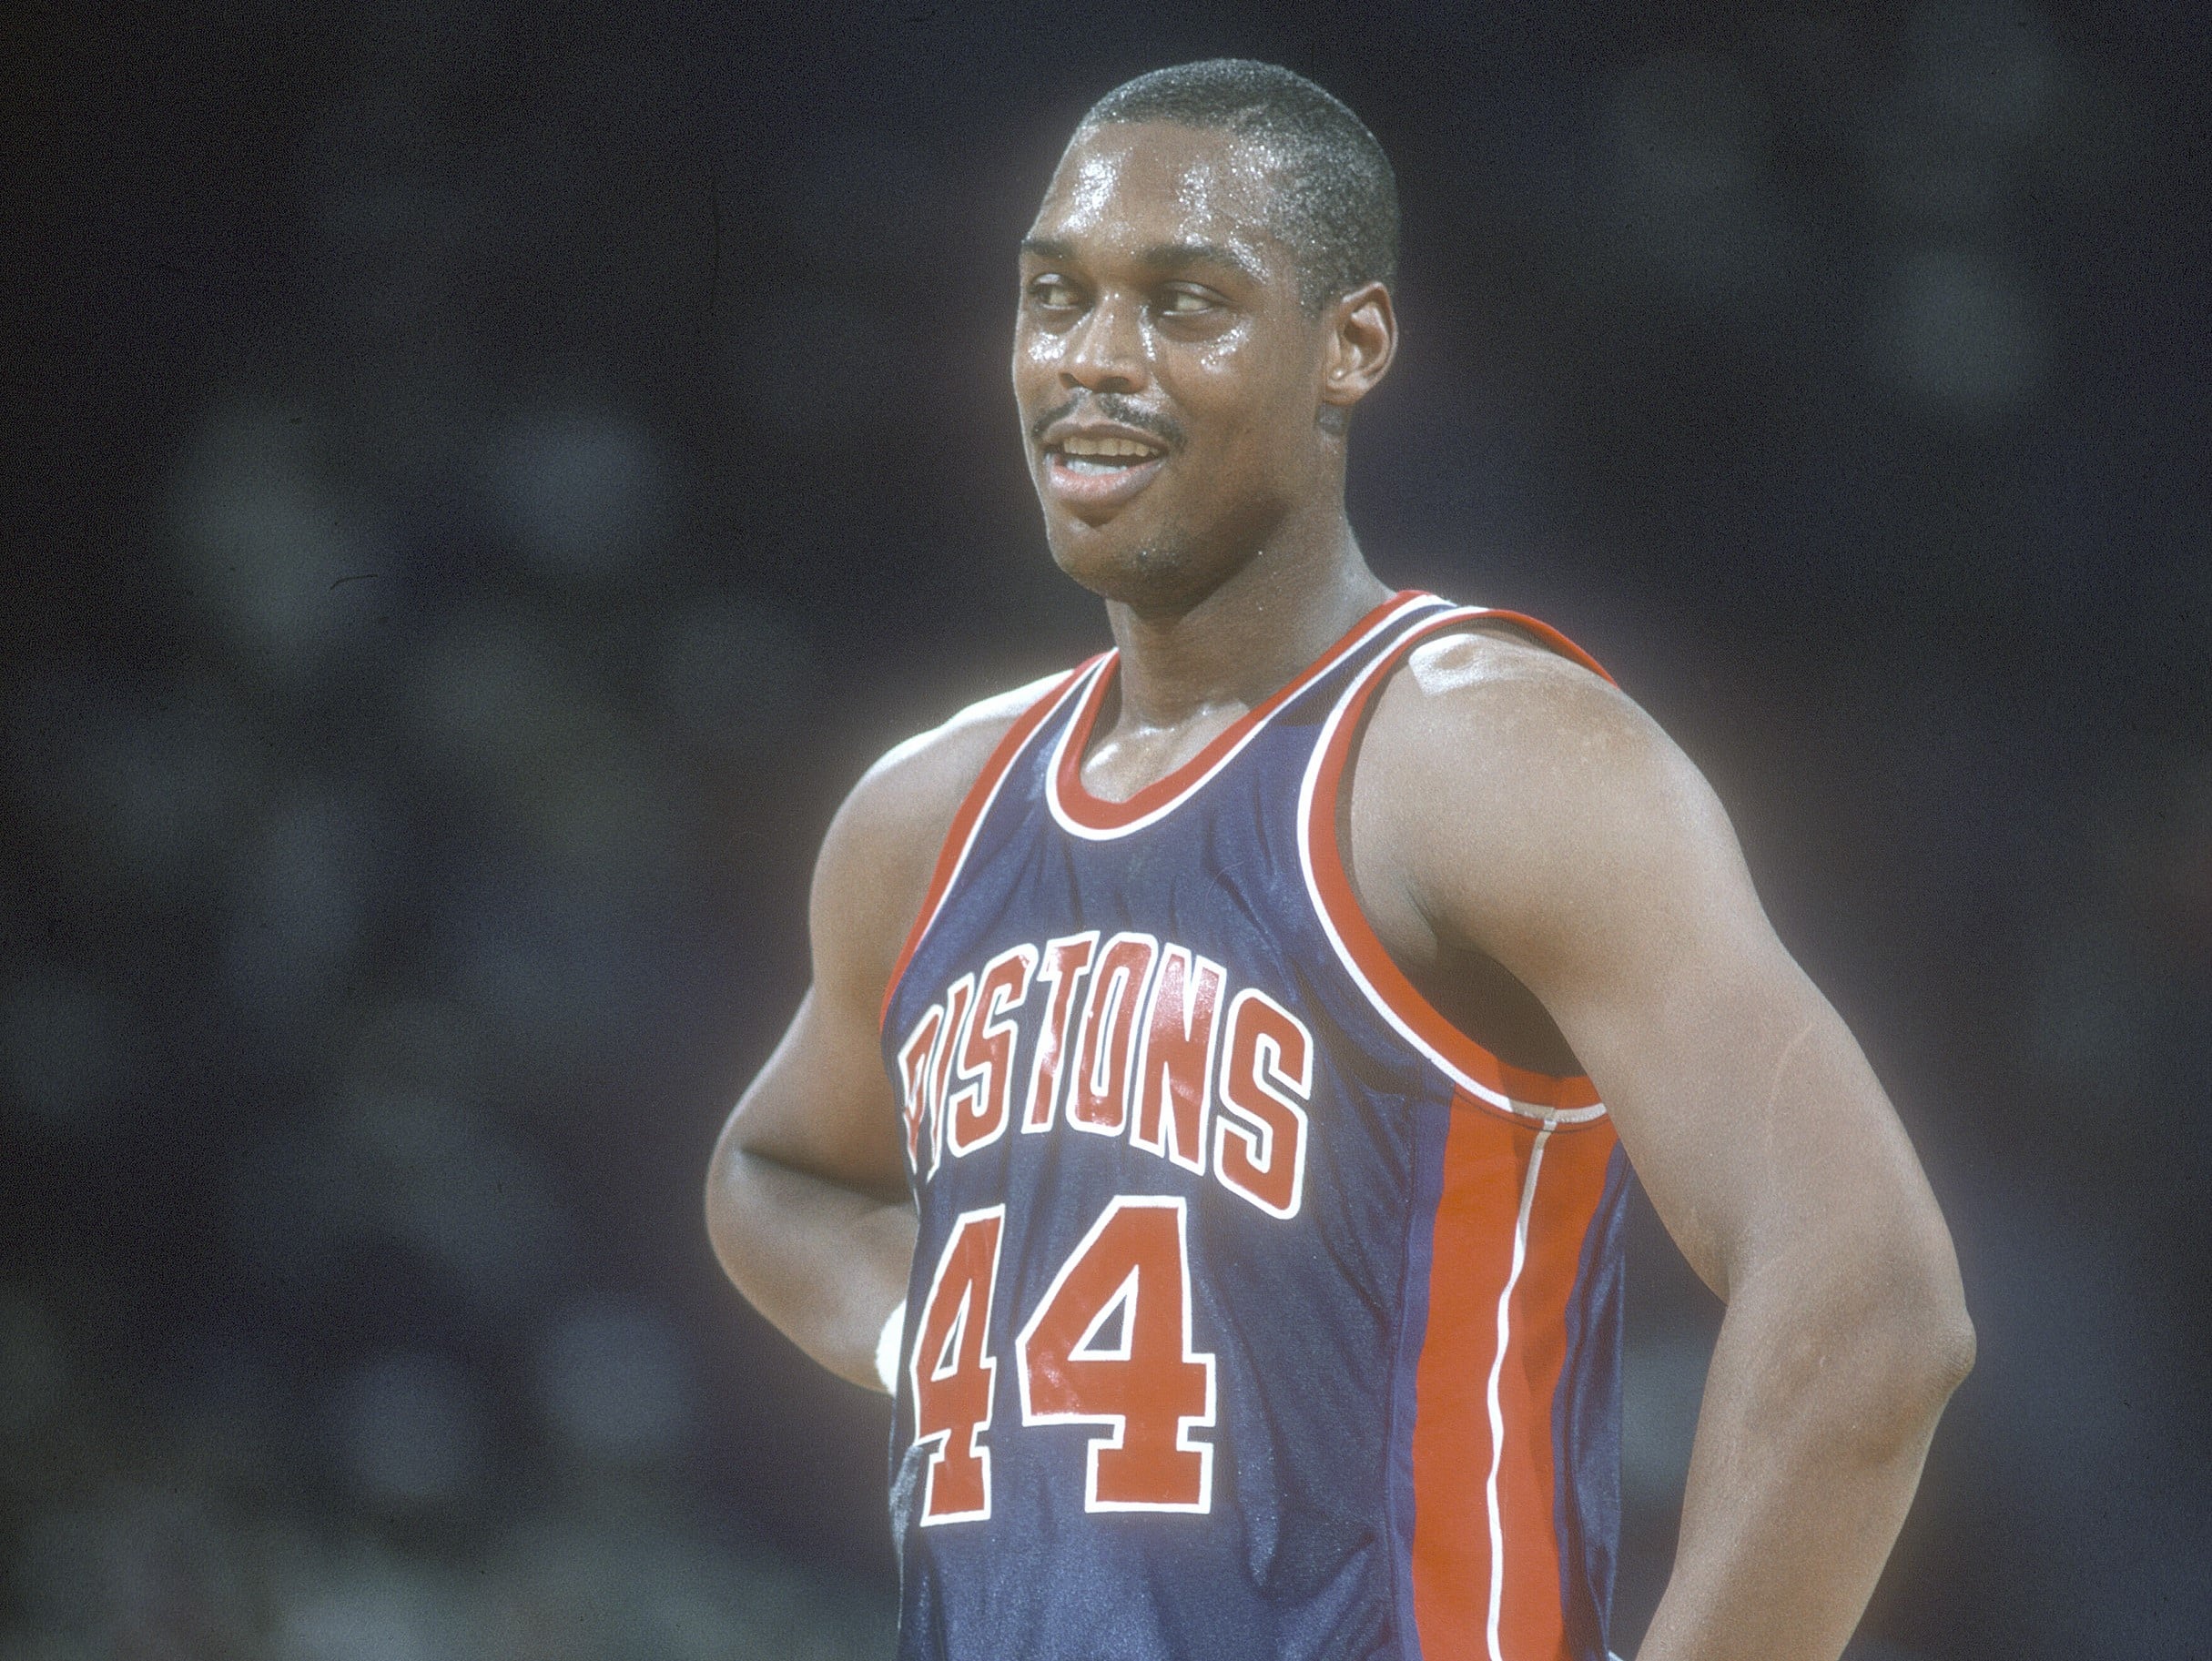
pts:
[1527, 843]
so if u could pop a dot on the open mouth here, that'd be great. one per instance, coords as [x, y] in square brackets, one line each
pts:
[1101, 471]
[1104, 458]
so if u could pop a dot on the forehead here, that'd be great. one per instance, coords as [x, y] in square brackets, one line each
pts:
[1132, 184]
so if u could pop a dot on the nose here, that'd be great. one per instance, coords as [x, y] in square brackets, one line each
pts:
[1105, 350]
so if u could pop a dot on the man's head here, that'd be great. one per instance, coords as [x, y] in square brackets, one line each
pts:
[1204, 298]
[1336, 205]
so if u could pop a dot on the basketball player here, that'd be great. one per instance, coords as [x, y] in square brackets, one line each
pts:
[1211, 1116]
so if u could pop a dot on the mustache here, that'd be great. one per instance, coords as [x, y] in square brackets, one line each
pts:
[1114, 406]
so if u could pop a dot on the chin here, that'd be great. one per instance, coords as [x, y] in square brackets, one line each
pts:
[1109, 571]
[1127, 566]
[1149, 576]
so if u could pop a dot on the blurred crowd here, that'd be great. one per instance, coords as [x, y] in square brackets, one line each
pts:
[215, 1528]
[498, 478]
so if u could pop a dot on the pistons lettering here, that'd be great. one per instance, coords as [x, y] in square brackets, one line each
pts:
[1131, 1038]
[975, 1115]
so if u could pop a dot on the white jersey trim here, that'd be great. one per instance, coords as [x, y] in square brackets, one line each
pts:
[1497, 1368]
[1390, 619]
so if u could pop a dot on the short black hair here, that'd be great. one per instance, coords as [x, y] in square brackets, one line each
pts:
[1337, 204]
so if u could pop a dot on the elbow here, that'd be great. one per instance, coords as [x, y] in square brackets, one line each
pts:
[1867, 1351]
[1928, 1352]
[724, 1198]
[1930, 1330]
[1947, 1343]
[1922, 1340]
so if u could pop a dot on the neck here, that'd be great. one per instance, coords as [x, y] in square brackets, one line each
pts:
[1278, 612]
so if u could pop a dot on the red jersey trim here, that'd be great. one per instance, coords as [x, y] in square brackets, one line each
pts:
[1497, 1083]
[1082, 814]
[960, 837]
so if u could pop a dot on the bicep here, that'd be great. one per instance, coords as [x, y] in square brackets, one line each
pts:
[1593, 861]
[1747, 1108]
[822, 1103]
[1751, 1115]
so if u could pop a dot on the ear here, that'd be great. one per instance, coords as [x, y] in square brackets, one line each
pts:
[1363, 340]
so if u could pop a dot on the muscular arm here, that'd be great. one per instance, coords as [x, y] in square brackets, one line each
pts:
[1510, 803]
[807, 1199]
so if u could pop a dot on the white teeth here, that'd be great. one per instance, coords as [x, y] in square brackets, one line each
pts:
[1106, 447]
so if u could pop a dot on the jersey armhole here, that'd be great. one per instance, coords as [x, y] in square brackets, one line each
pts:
[1561, 1101]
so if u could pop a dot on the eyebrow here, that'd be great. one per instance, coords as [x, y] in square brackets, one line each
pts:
[1159, 256]
[1163, 254]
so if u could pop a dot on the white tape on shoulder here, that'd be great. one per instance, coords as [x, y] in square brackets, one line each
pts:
[887, 1348]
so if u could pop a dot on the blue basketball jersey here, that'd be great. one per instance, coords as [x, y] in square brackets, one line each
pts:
[1256, 1311]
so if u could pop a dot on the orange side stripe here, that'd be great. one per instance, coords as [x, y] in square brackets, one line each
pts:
[1485, 1161]
[1485, 1168]
[1532, 1622]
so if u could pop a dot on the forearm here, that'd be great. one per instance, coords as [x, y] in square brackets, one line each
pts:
[1809, 1450]
[823, 1262]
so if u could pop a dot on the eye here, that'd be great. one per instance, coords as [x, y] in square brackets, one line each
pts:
[1186, 302]
[1053, 293]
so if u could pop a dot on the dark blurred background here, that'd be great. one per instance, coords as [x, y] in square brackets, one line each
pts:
[483, 479]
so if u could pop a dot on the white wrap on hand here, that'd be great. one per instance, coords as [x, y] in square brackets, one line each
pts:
[887, 1348]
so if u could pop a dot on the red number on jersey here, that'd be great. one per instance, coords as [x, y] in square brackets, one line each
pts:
[951, 1371]
[1110, 1344]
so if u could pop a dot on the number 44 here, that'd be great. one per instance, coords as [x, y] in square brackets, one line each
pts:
[1108, 1345]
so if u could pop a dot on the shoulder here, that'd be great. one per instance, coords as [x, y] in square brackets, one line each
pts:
[881, 848]
[1492, 698]
[914, 789]
[1518, 792]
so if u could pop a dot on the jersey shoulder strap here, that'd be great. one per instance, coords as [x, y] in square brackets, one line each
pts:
[960, 835]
